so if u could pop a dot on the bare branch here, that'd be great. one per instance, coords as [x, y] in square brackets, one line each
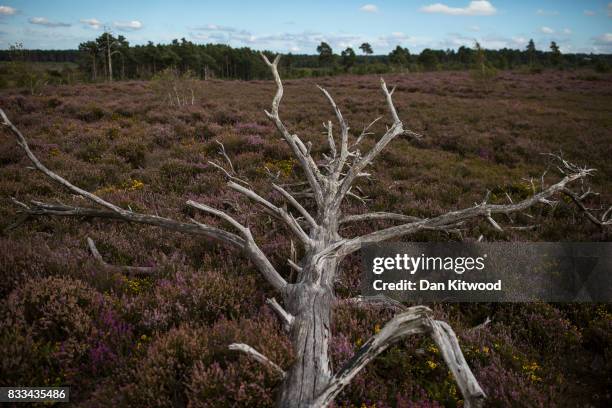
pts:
[344, 129]
[227, 159]
[129, 270]
[245, 348]
[578, 201]
[415, 320]
[224, 216]
[277, 212]
[454, 217]
[295, 205]
[250, 246]
[482, 325]
[494, 223]
[395, 130]
[447, 342]
[194, 228]
[285, 316]
[366, 131]
[38, 208]
[379, 216]
[295, 266]
[24, 145]
[297, 146]
[330, 138]
[389, 98]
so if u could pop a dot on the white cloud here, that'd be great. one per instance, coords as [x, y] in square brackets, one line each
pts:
[215, 27]
[305, 41]
[541, 12]
[489, 41]
[7, 11]
[128, 26]
[589, 13]
[475, 8]
[547, 30]
[567, 31]
[603, 43]
[369, 8]
[519, 41]
[604, 39]
[474, 28]
[45, 22]
[92, 22]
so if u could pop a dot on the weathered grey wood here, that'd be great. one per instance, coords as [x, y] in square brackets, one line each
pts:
[286, 317]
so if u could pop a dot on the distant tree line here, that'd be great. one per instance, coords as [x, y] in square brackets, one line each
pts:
[110, 57]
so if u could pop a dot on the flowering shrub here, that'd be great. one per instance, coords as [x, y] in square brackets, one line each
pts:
[191, 296]
[192, 366]
[162, 340]
[60, 329]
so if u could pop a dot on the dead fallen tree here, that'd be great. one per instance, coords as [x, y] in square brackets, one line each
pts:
[309, 299]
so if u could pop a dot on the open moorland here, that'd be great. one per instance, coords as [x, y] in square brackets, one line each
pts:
[162, 341]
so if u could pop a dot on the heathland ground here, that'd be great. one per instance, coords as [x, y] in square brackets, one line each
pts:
[162, 340]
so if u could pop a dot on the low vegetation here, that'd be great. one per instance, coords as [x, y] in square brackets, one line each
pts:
[162, 340]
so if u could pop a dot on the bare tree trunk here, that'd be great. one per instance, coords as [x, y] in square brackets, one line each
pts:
[311, 371]
[311, 301]
[109, 57]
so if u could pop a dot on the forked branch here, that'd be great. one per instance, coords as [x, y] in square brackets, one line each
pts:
[415, 320]
[344, 130]
[277, 212]
[482, 210]
[300, 151]
[395, 130]
[578, 200]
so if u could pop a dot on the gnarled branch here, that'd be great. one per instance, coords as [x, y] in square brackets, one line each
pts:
[375, 216]
[452, 218]
[291, 200]
[21, 140]
[415, 320]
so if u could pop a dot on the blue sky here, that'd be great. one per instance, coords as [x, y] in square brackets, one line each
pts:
[577, 26]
